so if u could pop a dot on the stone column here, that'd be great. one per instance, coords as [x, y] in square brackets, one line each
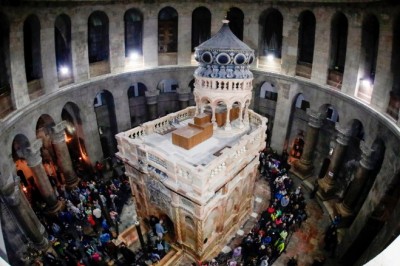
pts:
[184, 37]
[228, 119]
[304, 167]
[117, 44]
[48, 56]
[32, 155]
[353, 51]
[19, 91]
[326, 185]
[199, 237]
[79, 46]
[319, 72]
[24, 215]
[213, 119]
[183, 98]
[63, 156]
[178, 224]
[383, 76]
[346, 208]
[150, 38]
[152, 102]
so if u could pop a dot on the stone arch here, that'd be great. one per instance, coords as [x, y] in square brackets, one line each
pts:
[74, 135]
[394, 102]
[306, 42]
[133, 22]
[5, 74]
[32, 54]
[167, 30]
[338, 47]
[98, 43]
[211, 223]
[368, 57]
[201, 26]
[270, 29]
[104, 107]
[236, 21]
[137, 103]
[62, 41]
[168, 98]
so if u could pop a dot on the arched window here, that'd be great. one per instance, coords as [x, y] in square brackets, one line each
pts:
[236, 17]
[33, 61]
[306, 37]
[5, 88]
[339, 28]
[271, 22]
[369, 52]
[168, 30]
[62, 35]
[133, 32]
[201, 26]
[98, 37]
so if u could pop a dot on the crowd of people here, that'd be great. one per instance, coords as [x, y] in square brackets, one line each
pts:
[81, 233]
[285, 214]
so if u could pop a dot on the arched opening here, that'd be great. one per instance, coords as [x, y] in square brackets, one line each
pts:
[62, 35]
[167, 36]
[104, 108]
[137, 103]
[201, 26]
[369, 53]
[43, 131]
[133, 19]
[236, 17]
[267, 101]
[75, 138]
[32, 53]
[271, 26]
[6, 105]
[221, 112]
[98, 44]
[192, 101]
[19, 145]
[338, 47]
[190, 232]
[305, 54]
[168, 98]
[297, 127]
[394, 102]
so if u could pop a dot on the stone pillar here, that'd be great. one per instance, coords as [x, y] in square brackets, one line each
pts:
[79, 46]
[48, 56]
[117, 44]
[320, 66]
[353, 51]
[63, 156]
[199, 237]
[152, 102]
[178, 225]
[150, 38]
[32, 155]
[326, 185]
[383, 75]
[228, 119]
[19, 91]
[304, 167]
[290, 44]
[184, 37]
[183, 98]
[346, 208]
[213, 119]
[24, 215]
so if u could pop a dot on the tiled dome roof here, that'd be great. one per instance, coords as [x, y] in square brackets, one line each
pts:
[224, 56]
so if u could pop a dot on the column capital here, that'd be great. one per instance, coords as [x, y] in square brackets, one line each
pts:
[343, 134]
[367, 160]
[32, 153]
[152, 96]
[58, 133]
[315, 118]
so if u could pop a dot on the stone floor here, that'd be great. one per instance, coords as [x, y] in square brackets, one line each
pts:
[306, 244]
